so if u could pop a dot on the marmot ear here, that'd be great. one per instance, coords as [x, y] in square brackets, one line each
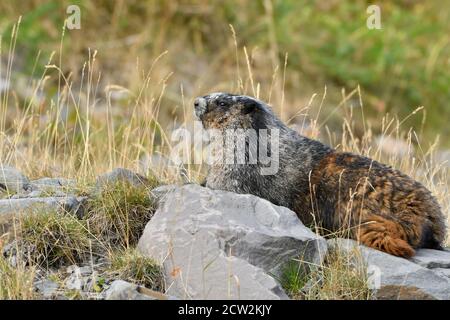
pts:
[250, 107]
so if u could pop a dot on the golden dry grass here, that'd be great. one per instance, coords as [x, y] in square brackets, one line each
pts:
[95, 122]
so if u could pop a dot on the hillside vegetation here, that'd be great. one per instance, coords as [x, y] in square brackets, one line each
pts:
[78, 103]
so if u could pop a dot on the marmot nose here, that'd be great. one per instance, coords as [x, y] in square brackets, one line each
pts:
[200, 106]
[199, 102]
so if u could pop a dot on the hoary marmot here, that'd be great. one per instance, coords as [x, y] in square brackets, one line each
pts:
[379, 206]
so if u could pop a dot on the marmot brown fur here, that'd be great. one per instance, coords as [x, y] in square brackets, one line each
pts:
[376, 204]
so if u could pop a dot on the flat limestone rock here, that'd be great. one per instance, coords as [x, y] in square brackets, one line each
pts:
[12, 180]
[52, 184]
[121, 175]
[429, 258]
[160, 193]
[442, 272]
[47, 288]
[11, 207]
[396, 278]
[122, 290]
[221, 245]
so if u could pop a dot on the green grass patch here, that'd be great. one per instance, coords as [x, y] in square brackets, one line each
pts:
[294, 278]
[118, 214]
[343, 276]
[52, 238]
[130, 265]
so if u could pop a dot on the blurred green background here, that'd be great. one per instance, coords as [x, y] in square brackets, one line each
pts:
[403, 66]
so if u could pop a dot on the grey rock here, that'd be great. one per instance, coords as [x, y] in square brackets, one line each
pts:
[122, 290]
[220, 245]
[12, 180]
[44, 193]
[74, 269]
[12, 207]
[52, 185]
[47, 288]
[442, 272]
[79, 278]
[58, 182]
[395, 278]
[75, 282]
[78, 206]
[121, 174]
[59, 194]
[429, 258]
[34, 194]
[160, 193]
[9, 252]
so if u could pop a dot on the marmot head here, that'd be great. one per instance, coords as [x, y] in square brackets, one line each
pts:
[229, 111]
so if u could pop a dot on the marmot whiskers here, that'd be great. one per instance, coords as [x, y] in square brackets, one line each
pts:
[378, 205]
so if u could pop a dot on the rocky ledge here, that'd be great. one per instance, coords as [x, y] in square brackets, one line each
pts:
[220, 245]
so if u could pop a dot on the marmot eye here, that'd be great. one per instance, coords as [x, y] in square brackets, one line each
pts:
[222, 104]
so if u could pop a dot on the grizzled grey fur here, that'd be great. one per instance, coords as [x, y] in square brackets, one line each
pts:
[298, 154]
